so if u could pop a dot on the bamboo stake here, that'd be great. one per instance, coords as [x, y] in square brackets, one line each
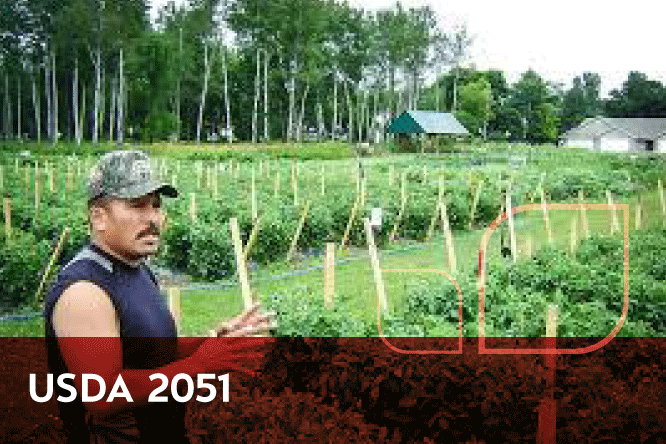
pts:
[394, 231]
[253, 237]
[583, 213]
[345, 237]
[193, 207]
[546, 219]
[448, 237]
[433, 222]
[615, 225]
[52, 261]
[297, 234]
[7, 207]
[512, 233]
[253, 197]
[639, 211]
[329, 275]
[241, 265]
[377, 272]
[174, 304]
[574, 233]
[475, 203]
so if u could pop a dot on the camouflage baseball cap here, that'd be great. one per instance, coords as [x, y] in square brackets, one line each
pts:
[125, 175]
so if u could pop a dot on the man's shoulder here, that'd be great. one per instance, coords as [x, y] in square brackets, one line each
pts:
[83, 309]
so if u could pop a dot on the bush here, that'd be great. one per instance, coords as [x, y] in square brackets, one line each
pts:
[22, 259]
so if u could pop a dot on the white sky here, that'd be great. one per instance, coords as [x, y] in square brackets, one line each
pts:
[559, 40]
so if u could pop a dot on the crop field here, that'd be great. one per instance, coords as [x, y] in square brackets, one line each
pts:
[291, 201]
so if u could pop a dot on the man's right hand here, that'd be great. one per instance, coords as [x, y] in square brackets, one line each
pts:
[230, 353]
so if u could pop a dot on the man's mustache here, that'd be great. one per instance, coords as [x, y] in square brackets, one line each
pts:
[152, 229]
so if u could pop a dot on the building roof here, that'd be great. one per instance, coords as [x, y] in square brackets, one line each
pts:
[650, 128]
[428, 122]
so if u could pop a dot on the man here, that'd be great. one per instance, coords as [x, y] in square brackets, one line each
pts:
[104, 316]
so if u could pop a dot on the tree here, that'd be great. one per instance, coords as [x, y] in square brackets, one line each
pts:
[638, 97]
[581, 101]
[534, 99]
[475, 106]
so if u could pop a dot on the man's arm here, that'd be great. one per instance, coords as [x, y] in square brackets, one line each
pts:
[87, 327]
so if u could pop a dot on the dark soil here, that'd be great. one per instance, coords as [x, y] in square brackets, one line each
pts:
[351, 390]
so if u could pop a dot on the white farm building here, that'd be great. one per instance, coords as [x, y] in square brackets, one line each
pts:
[618, 134]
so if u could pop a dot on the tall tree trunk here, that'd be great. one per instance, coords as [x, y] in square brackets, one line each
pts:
[47, 89]
[226, 98]
[75, 102]
[54, 85]
[301, 117]
[82, 114]
[180, 73]
[202, 102]
[392, 105]
[8, 110]
[102, 106]
[266, 130]
[292, 100]
[350, 130]
[113, 101]
[335, 105]
[255, 109]
[19, 133]
[437, 92]
[120, 138]
[97, 100]
[36, 107]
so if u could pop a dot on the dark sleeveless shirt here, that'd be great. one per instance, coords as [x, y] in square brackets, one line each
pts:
[149, 340]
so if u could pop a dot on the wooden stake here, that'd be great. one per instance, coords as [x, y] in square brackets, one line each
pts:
[323, 181]
[583, 214]
[54, 257]
[475, 203]
[329, 275]
[345, 237]
[297, 234]
[51, 179]
[253, 197]
[546, 220]
[193, 207]
[448, 237]
[174, 304]
[662, 200]
[394, 231]
[256, 227]
[390, 174]
[512, 233]
[574, 233]
[639, 214]
[377, 272]
[363, 193]
[241, 265]
[433, 222]
[615, 225]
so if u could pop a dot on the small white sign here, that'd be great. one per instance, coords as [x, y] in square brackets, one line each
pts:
[376, 217]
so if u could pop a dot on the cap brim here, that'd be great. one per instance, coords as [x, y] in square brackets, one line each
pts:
[146, 188]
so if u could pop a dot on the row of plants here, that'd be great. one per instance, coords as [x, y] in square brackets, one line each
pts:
[587, 287]
[203, 248]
